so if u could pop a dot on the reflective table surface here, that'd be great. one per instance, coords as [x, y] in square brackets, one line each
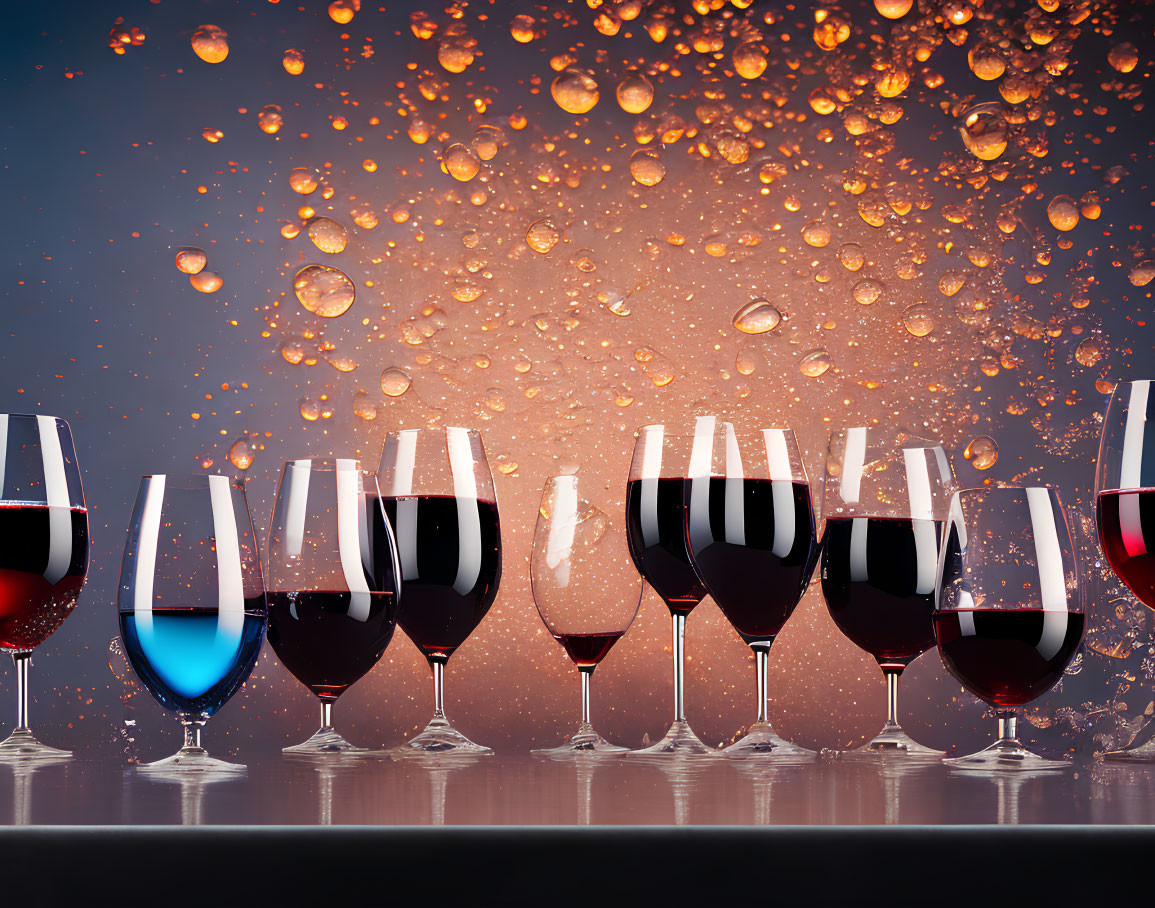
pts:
[519, 789]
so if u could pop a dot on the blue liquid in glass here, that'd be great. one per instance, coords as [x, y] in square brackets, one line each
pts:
[192, 659]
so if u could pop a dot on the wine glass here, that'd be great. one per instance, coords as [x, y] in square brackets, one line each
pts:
[191, 603]
[750, 530]
[1009, 610]
[885, 498]
[656, 531]
[439, 497]
[44, 525]
[1125, 502]
[332, 583]
[585, 587]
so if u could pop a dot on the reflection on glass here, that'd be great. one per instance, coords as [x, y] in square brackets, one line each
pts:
[585, 586]
[332, 583]
[440, 767]
[327, 765]
[22, 773]
[750, 531]
[191, 603]
[1009, 611]
[44, 556]
[885, 497]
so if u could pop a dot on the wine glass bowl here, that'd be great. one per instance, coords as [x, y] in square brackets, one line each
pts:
[584, 585]
[438, 494]
[332, 583]
[885, 497]
[44, 559]
[752, 541]
[191, 603]
[1009, 611]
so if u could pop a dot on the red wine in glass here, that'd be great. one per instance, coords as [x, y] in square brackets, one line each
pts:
[1008, 657]
[587, 650]
[656, 532]
[1126, 520]
[871, 567]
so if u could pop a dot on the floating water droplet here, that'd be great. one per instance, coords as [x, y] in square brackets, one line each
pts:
[982, 452]
[893, 9]
[984, 131]
[324, 291]
[542, 236]
[395, 382]
[242, 454]
[293, 351]
[206, 281]
[1089, 351]
[816, 233]
[210, 43]
[1063, 213]
[814, 364]
[460, 163]
[749, 60]
[523, 29]
[867, 291]
[455, 54]
[341, 11]
[302, 180]
[191, 260]
[269, 119]
[1123, 57]
[575, 91]
[851, 256]
[635, 93]
[328, 235]
[309, 409]
[918, 320]
[1143, 273]
[647, 166]
[757, 317]
[294, 61]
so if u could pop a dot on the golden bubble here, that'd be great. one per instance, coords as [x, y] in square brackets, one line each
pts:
[830, 29]
[918, 320]
[1089, 352]
[309, 409]
[1063, 213]
[192, 260]
[635, 93]
[269, 119]
[324, 291]
[460, 163]
[542, 236]
[873, 208]
[328, 235]
[816, 233]
[575, 91]
[982, 452]
[757, 317]
[341, 11]
[419, 131]
[1142, 273]
[206, 281]
[293, 351]
[867, 291]
[822, 101]
[814, 364]
[212, 135]
[395, 382]
[242, 454]
[523, 29]
[1123, 57]
[302, 180]
[986, 62]
[364, 407]
[487, 141]
[851, 256]
[749, 60]
[455, 54]
[294, 61]
[984, 131]
[893, 9]
[647, 166]
[290, 230]
[210, 43]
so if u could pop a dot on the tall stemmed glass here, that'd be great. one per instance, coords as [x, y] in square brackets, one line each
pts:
[585, 586]
[1125, 502]
[656, 530]
[438, 494]
[44, 556]
[1009, 610]
[191, 603]
[332, 582]
[885, 498]
[750, 528]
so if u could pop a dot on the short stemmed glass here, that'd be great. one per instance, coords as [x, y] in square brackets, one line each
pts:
[750, 528]
[439, 497]
[191, 603]
[44, 558]
[1009, 611]
[885, 498]
[1125, 502]
[656, 531]
[332, 583]
[585, 586]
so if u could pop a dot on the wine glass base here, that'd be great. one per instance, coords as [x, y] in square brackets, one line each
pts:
[762, 744]
[585, 742]
[324, 741]
[893, 743]
[680, 741]
[192, 762]
[23, 745]
[440, 738]
[1006, 756]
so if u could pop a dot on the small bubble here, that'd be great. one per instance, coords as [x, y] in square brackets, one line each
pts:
[647, 166]
[918, 320]
[1063, 213]
[328, 235]
[1123, 57]
[757, 317]
[294, 61]
[191, 260]
[241, 454]
[867, 291]
[982, 452]
[542, 236]
[460, 163]
[635, 93]
[206, 281]
[1089, 352]
[269, 119]
[984, 131]
[302, 180]
[816, 233]
[851, 256]
[395, 382]
[814, 364]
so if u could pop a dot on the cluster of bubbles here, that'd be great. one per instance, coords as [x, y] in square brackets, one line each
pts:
[192, 261]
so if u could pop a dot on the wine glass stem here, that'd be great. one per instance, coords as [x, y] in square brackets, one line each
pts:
[679, 647]
[891, 696]
[438, 688]
[761, 658]
[22, 661]
[585, 674]
[192, 730]
[1008, 727]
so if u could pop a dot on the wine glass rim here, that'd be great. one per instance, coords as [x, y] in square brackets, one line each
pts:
[988, 490]
[440, 430]
[194, 480]
[328, 464]
[59, 419]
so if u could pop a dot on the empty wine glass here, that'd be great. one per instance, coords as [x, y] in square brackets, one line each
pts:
[332, 583]
[1009, 611]
[656, 530]
[750, 529]
[44, 559]
[439, 497]
[584, 584]
[1125, 502]
[191, 603]
[885, 498]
